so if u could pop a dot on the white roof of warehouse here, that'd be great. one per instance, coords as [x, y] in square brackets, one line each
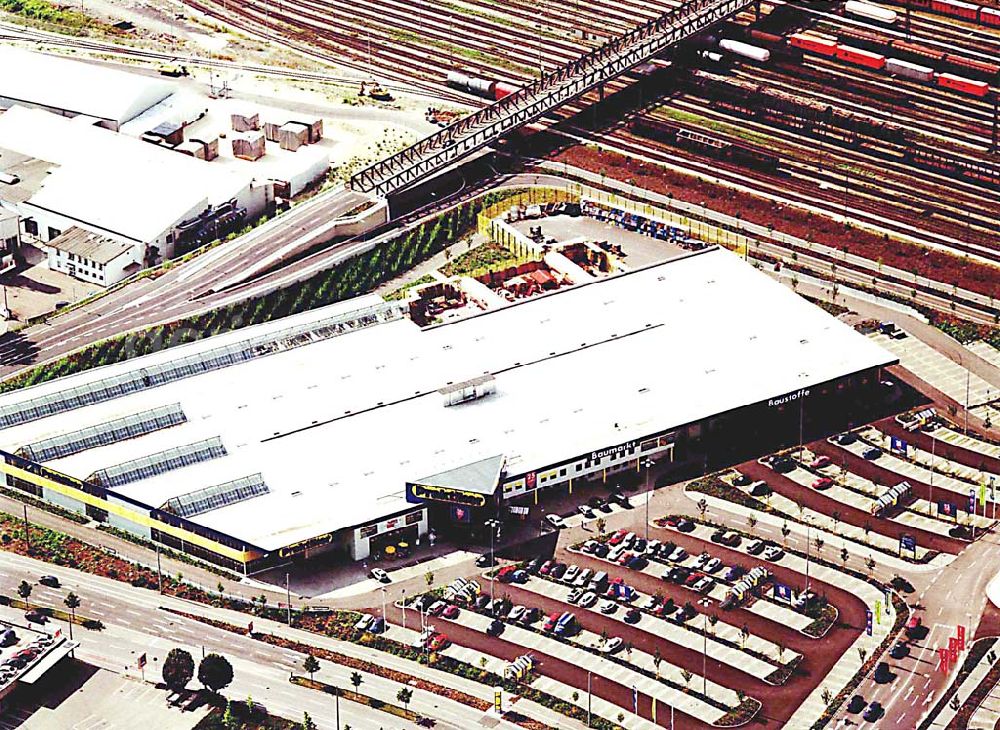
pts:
[576, 370]
[111, 181]
[77, 87]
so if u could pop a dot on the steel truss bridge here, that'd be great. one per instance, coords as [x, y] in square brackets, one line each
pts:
[481, 128]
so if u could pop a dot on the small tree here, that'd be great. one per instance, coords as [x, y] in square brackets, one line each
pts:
[627, 647]
[228, 719]
[819, 542]
[356, 680]
[215, 672]
[862, 654]
[826, 695]
[311, 665]
[686, 676]
[785, 532]
[844, 555]
[404, 696]
[955, 703]
[24, 590]
[575, 696]
[744, 635]
[781, 651]
[712, 621]
[702, 508]
[429, 578]
[751, 523]
[307, 722]
[602, 525]
[657, 658]
[870, 564]
[835, 516]
[178, 669]
[72, 602]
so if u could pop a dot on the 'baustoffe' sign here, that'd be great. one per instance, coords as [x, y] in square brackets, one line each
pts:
[595, 455]
[800, 393]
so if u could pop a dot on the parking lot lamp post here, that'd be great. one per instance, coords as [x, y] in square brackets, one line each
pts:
[288, 598]
[704, 657]
[404, 608]
[649, 494]
[933, 448]
[589, 677]
[492, 525]
[808, 538]
[385, 618]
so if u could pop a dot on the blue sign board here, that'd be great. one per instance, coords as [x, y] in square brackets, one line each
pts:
[972, 501]
[897, 445]
[868, 622]
[908, 542]
[783, 592]
[947, 509]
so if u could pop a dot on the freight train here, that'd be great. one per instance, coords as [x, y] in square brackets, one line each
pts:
[495, 90]
[956, 9]
[738, 152]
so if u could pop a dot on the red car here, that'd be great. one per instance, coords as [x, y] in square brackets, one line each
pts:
[546, 567]
[617, 538]
[438, 642]
[819, 462]
[451, 612]
[551, 621]
[692, 579]
[671, 521]
[823, 483]
[625, 557]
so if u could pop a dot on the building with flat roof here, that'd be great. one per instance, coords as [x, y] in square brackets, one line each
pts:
[92, 257]
[114, 186]
[349, 427]
[74, 88]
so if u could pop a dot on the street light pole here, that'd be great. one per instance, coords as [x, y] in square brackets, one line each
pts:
[288, 598]
[404, 608]
[808, 540]
[933, 448]
[159, 573]
[589, 676]
[704, 658]
[649, 494]
[385, 619]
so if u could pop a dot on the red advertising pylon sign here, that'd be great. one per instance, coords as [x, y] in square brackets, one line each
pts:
[960, 632]
[943, 655]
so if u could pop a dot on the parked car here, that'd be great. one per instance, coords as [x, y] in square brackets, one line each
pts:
[615, 553]
[588, 547]
[717, 535]
[699, 562]
[535, 565]
[530, 616]
[614, 644]
[846, 439]
[481, 602]
[781, 464]
[856, 705]
[871, 453]
[650, 603]
[677, 555]
[899, 650]
[686, 613]
[570, 575]
[598, 582]
[550, 621]
[773, 552]
[632, 616]
[557, 571]
[621, 500]
[451, 612]
[713, 565]
[629, 541]
[49, 580]
[438, 642]
[741, 480]
[556, 521]
[378, 626]
[618, 537]
[666, 549]
[8, 637]
[822, 483]
[515, 613]
[637, 562]
[755, 547]
[679, 574]
[486, 560]
[733, 572]
[364, 622]
[666, 608]
[874, 712]
[588, 599]
[519, 577]
[575, 595]
[653, 547]
[583, 578]
[883, 673]
[601, 550]
[625, 557]
[546, 567]
[685, 526]
[598, 503]
[820, 461]
[380, 575]
[692, 578]
[437, 608]
[495, 628]
[704, 585]
[608, 607]
[586, 511]
[760, 489]
[640, 545]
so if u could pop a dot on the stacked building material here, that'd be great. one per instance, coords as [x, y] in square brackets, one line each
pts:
[293, 135]
[245, 121]
[248, 145]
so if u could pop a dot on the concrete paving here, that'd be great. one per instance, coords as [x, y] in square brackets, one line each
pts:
[948, 376]
[965, 689]
[931, 461]
[968, 442]
[986, 351]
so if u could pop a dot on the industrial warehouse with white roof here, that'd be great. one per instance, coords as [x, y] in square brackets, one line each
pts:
[331, 429]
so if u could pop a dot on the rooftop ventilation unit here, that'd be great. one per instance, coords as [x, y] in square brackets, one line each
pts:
[468, 390]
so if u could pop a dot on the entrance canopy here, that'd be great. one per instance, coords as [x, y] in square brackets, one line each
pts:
[471, 484]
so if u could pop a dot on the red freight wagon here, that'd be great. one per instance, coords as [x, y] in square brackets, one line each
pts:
[768, 39]
[812, 43]
[955, 8]
[989, 16]
[966, 86]
[501, 90]
[922, 52]
[981, 67]
[860, 57]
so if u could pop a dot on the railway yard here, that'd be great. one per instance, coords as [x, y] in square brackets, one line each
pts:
[840, 576]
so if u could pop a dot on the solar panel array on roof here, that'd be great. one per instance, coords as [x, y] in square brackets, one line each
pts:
[104, 434]
[117, 386]
[159, 463]
[214, 497]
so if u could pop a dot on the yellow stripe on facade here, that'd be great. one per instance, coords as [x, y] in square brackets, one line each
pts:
[131, 515]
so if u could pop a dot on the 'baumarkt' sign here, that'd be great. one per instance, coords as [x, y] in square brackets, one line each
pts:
[595, 455]
[800, 393]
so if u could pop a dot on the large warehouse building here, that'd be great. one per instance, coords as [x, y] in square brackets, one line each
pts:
[348, 427]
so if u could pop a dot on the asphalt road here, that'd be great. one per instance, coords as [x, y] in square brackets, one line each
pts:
[135, 625]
